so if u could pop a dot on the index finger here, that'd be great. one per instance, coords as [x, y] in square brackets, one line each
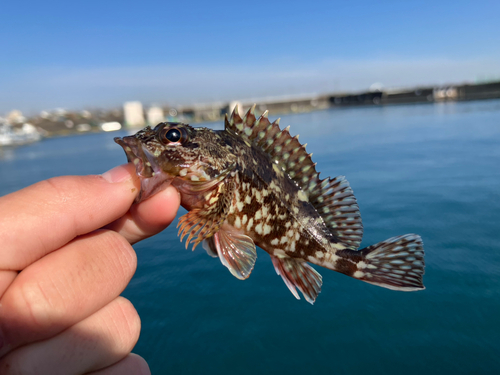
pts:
[43, 217]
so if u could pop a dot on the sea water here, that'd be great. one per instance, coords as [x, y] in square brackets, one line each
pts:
[429, 169]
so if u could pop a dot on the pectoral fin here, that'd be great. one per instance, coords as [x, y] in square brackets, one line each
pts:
[201, 223]
[236, 251]
[297, 273]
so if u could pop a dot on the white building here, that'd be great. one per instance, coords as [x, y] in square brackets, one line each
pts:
[155, 116]
[133, 113]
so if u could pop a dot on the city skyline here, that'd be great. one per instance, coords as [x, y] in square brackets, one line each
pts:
[65, 55]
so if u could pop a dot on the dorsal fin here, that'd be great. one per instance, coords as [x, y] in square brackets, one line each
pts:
[337, 205]
[284, 149]
[332, 198]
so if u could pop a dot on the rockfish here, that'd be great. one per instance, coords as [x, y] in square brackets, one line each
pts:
[253, 184]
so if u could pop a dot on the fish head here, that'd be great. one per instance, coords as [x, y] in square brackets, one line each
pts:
[170, 151]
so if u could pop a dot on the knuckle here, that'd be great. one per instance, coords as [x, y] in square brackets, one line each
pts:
[27, 313]
[34, 303]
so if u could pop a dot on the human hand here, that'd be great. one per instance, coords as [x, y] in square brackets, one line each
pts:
[61, 275]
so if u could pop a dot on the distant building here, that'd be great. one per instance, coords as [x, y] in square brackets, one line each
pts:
[133, 113]
[155, 116]
[15, 117]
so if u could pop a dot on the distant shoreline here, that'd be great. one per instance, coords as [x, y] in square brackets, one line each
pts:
[132, 115]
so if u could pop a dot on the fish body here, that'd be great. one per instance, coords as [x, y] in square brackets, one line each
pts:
[253, 184]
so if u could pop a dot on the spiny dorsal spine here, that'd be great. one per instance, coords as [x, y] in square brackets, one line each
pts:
[279, 144]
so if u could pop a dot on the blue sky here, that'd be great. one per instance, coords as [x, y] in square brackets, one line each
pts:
[100, 53]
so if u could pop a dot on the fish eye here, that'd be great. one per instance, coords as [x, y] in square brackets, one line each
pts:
[172, 136]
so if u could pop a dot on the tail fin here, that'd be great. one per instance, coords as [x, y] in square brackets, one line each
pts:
[396, 263]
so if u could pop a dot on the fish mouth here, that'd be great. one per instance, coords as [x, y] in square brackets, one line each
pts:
[153, 178]
[136, 155]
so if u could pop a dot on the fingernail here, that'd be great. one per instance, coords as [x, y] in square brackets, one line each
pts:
[117, 174]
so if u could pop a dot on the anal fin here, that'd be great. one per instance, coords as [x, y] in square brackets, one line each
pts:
[298, 274]
[236, 251]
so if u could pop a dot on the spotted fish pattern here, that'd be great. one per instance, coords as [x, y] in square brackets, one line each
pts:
[253, 184]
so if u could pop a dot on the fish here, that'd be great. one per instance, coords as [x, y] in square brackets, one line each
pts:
[253, 184]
